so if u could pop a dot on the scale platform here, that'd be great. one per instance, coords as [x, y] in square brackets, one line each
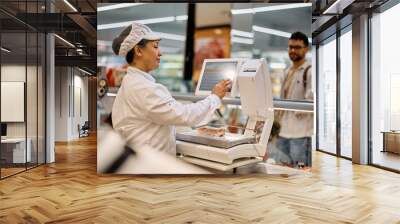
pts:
[227, 141]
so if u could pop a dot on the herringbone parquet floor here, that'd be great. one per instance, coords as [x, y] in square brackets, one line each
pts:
[70, 191]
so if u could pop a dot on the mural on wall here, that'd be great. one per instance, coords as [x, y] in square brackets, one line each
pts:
[150, 133]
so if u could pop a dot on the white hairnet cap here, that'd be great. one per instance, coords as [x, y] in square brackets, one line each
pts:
[131, 36]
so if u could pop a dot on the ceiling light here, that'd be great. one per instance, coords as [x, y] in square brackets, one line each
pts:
[117, 6]
[143, 21]
[170, 36]
[242, 11]
[86, 72]
[104, 43]
[64, 40]
[242, 40]
[242, 33]
[269, 8]
[274, 32]
[70, 5]
[180, 18]
[5, 49]
[338, 6]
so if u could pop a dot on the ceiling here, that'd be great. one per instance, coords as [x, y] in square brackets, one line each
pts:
[285, 20]
[207, 15]
[328, 17]
[144, 12]
[77, 26]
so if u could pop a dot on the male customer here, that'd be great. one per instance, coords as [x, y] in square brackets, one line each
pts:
[296, 127]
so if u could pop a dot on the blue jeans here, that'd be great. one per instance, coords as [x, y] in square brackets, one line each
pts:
[296, 150]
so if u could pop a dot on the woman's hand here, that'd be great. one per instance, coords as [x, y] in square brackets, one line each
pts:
[221, 88]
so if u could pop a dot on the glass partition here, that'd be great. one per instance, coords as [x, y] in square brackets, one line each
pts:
[22, 89]
[13, 103]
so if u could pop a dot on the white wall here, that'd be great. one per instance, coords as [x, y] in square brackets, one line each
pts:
[12, 73]
[33, 127]
[62, 81]
[71, 87]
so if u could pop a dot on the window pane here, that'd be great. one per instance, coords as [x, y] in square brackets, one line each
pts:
[385, 86]
[327, 96]
[346, 94]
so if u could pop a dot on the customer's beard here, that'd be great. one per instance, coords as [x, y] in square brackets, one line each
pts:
[295, 58]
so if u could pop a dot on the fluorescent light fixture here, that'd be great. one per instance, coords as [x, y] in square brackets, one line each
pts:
[241, 40]
[274, 32]
[242, 11]
[111, 94]
[104, 43]
[334, 5]
[242, 33]
[65, 41]
[143, 21]
[70, 5]
[181, 18]
[338, 6]
[170, 36]
[118, 6]
[5, 50]
[84, 71]
[167, 36]
[269, 8]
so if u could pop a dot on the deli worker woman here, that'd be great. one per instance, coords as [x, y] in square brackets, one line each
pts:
[144, 111]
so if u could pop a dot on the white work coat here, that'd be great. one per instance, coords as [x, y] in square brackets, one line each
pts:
[145, 113]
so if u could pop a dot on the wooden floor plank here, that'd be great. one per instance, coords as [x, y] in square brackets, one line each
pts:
[70, 191]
